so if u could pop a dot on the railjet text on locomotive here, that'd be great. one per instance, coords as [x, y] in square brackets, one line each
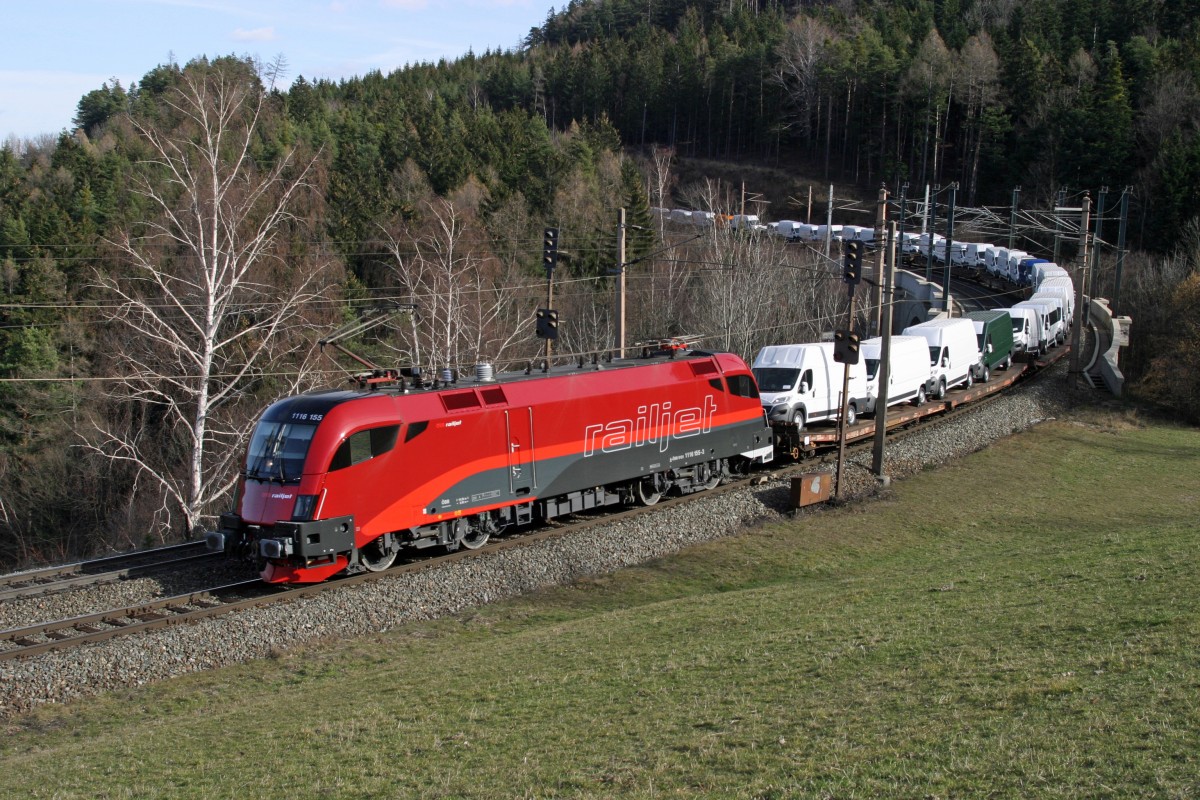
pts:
[654, 424]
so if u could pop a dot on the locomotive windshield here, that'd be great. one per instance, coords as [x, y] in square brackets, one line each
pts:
[277, 451]
[776, 379]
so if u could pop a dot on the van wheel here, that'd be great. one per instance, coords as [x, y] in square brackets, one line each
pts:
[798, 418]
[851, 415]
[987, 373]
[921, 396]
[941, 389]
[1008, 363]
[970, 379]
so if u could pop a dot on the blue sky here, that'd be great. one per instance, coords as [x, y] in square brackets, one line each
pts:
[55, 51]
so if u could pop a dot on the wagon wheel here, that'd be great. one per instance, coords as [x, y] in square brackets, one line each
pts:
[378, 554]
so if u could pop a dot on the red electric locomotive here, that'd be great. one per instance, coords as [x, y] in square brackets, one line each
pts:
[344, 479]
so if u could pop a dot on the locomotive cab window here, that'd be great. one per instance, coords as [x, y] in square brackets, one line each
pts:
[742, 386]
[277, 451]
[364, 445]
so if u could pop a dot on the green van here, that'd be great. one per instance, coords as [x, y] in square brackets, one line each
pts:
[993, 329]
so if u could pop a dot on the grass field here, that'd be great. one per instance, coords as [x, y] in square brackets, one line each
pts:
[976, 633]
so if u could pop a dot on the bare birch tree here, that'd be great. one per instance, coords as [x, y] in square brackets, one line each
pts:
[212, 301]
[801, 54]
[469, 308]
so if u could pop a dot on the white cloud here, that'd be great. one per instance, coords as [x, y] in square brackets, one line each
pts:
[255, 35]
[407, 5]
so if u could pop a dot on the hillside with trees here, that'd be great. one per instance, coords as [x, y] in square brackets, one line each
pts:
[170, 264]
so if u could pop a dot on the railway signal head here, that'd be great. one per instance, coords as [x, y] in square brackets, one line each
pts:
[547, 323]
[853, 251]
[845, 347]
[550, 249]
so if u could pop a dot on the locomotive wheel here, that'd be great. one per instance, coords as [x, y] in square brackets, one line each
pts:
[646, 491]
[714, 475]
[475, 539]
[375, 557]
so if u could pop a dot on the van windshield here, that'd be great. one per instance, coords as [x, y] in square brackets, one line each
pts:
[776, 379]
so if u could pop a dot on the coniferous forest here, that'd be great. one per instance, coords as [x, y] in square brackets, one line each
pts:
[169, 265]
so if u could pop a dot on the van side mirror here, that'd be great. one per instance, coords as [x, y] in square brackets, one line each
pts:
[989, 347]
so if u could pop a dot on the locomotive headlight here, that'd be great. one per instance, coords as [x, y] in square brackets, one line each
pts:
[303, 510]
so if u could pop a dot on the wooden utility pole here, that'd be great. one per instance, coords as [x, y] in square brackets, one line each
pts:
[829, 222]
[1116, 301]
[949, 248]
[1012, 219]
[619, 314]
[931, 205]
[837, 489]
[1099, 237]
[885, 353]
[1080, 274]
[1062, 198]
[880, 234]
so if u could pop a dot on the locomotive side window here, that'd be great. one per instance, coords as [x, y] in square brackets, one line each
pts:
[742, 386]
[364, 445]
[277, 451]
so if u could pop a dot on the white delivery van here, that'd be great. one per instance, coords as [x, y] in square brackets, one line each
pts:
[1012, 269]
[923, 244]
[788, 229]
[975, 253]
[1048, 270]
[802, 383]
[822, 231]
[1027, 330]
[908, 367]
[908, 243]
[1052, 317]
[1065, 289]
[954, 358]
[1041, 324]
[998, 261]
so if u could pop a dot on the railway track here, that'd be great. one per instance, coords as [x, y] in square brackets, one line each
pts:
[95, 572]
[195, 606]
